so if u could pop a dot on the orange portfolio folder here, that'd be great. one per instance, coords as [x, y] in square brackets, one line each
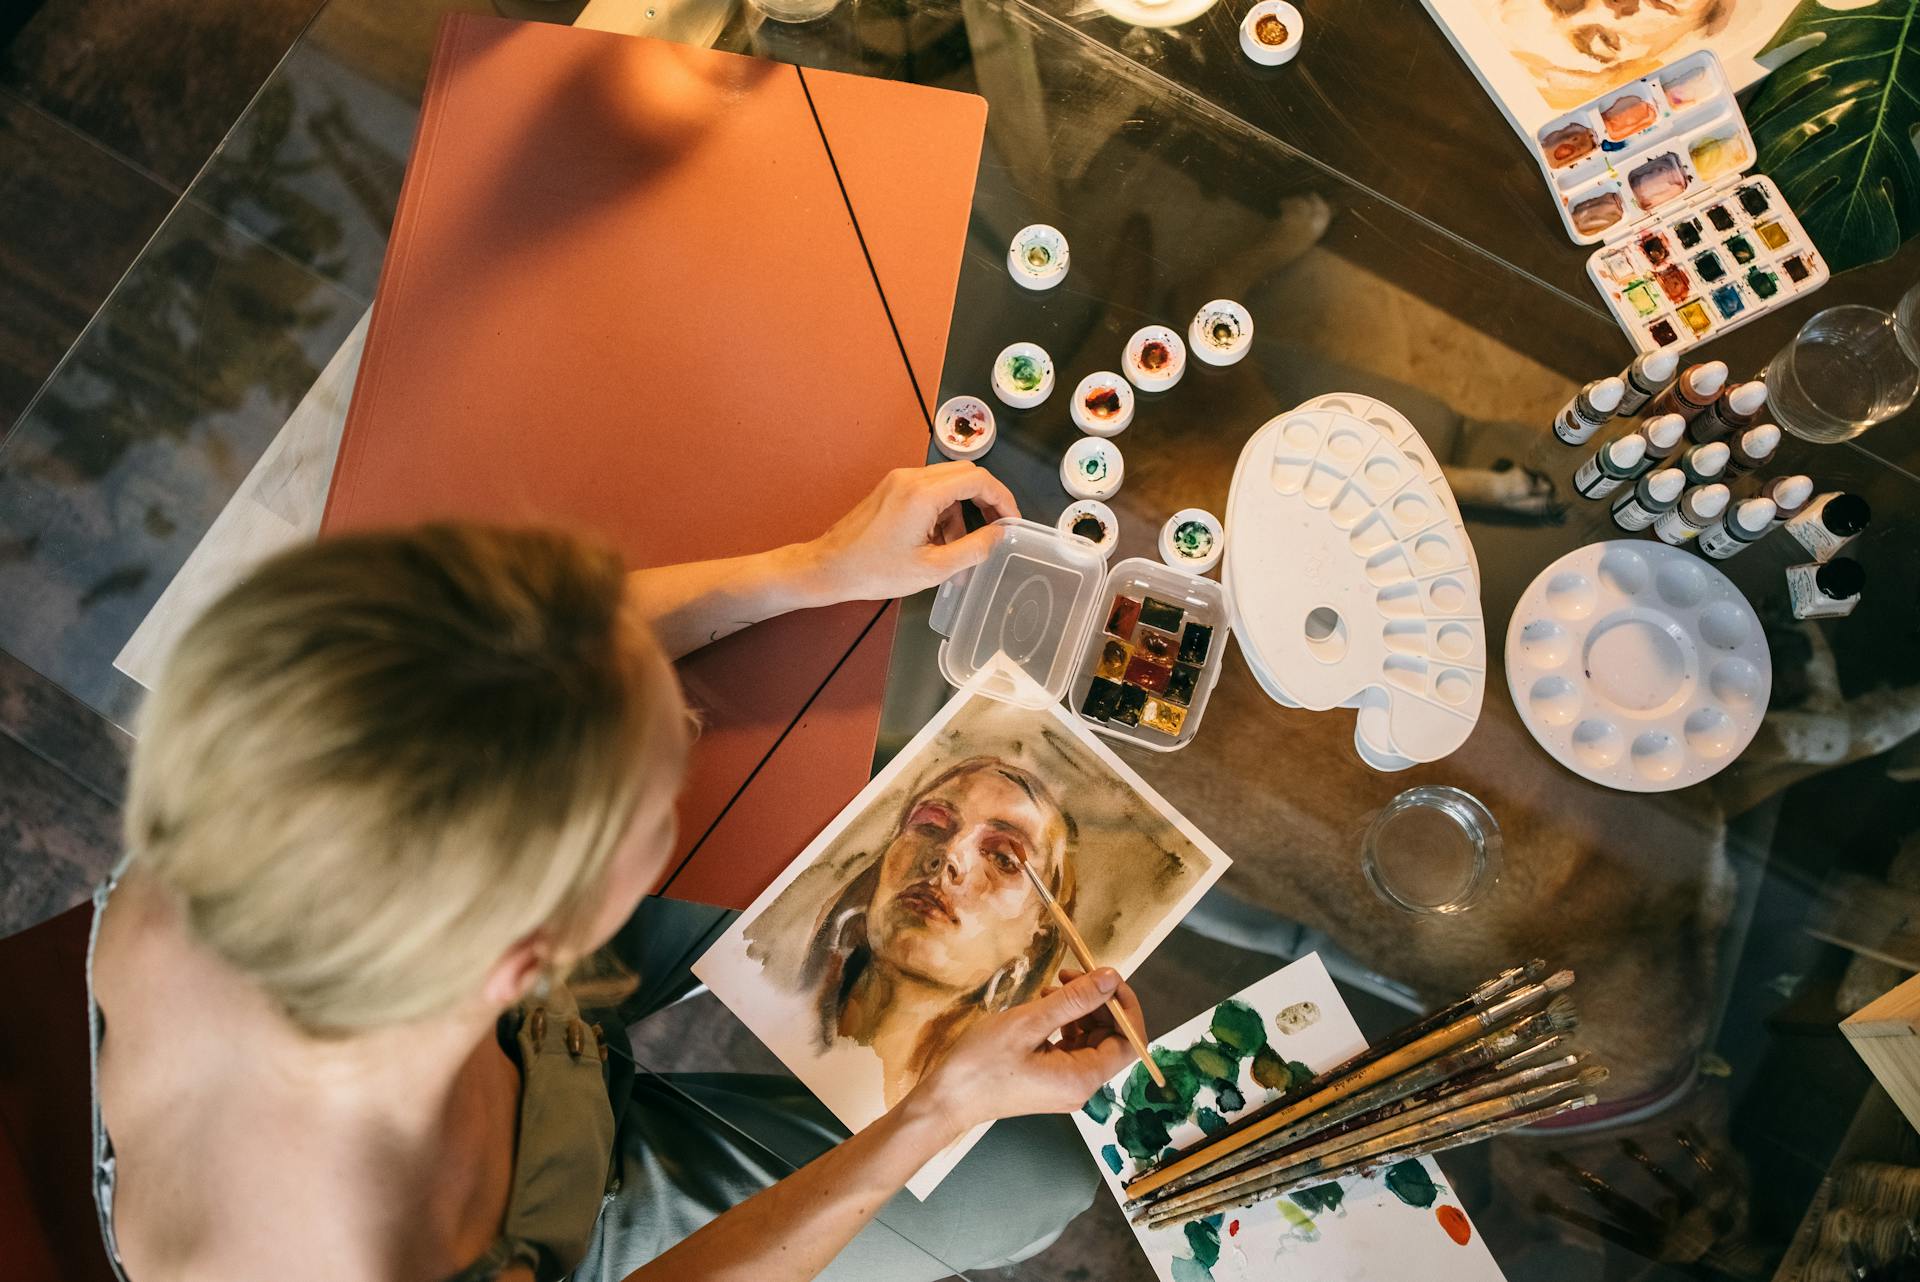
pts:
[695, 304]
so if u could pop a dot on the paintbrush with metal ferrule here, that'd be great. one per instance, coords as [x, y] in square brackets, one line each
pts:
[1084, 956]
[1460, 1139]
[1450, 1096]
[1418, 1136]
[1498, 986]
[1492, 1055]
[1465, 1028]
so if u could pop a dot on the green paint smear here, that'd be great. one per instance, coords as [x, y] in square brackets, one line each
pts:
[1186, 1270]
[1203, 1239]
[1215, 1061]
[1228, 1096]
[1409, 1182]
[1142, 1132]
[1183, 1084]
[1111, 1156]
[1298, 1220]
[1100, 1107]
[1239, 1025]
[1210, 1122]
[1023, 372]
[1190, 538]
[1320, 1198]
[1278, 1073]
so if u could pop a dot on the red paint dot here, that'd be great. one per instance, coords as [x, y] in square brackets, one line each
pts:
[1454, 1221]
[1233, 1227]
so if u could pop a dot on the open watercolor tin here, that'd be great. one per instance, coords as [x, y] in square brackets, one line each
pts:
[1654, 172]
[1048, 602]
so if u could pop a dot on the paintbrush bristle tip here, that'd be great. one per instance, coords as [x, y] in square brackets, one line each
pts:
[1562, 1014]
[1593, 1074]
[1560, 979]
[1534, 969]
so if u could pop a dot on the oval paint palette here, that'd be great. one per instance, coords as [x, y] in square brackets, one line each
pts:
[963, 427]
[1102, 404]
[1638, 665]
[1154, 358]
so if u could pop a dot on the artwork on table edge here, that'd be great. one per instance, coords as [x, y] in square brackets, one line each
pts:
[909, 917]
[1401, 1222]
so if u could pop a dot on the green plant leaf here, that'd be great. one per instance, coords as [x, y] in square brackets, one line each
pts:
[1835, 127]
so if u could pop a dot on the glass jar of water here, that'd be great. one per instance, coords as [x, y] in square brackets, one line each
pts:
[1847, 369]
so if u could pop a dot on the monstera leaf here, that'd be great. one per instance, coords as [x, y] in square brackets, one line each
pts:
[1836, 126]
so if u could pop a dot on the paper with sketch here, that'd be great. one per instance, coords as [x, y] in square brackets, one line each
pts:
[910, 918]
[1404, 1222]
[1539, 58]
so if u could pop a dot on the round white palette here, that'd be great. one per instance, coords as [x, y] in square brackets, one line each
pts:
[1638, 665]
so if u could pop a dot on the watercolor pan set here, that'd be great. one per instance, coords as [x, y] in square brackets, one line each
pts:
[1654, 172]
[1140, 646]
[1146, 673]
[1353, 581]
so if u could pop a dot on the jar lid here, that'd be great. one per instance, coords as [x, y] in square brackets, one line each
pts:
[1033, 599]
[1846, 514]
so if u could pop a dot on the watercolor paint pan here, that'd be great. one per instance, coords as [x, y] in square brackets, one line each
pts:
[1147, 671]
[1724, 257]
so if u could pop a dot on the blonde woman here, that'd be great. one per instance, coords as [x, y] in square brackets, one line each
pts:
[386, 794]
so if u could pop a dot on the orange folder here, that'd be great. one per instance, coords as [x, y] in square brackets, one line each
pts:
[696, 304]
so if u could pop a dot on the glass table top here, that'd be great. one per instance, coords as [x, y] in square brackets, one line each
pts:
[1391, 238]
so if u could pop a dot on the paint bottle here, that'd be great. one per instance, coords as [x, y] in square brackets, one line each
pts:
[1790, 495]
[1829, 523]
[1645, 379]
[1655, 494]
[1743, 525]
[1705, 463]
[1751, 450]
[1825, 590]
[1663, 433]
[1698, 508]
[1616, 461]
[1732, 412]
[1693, 391]
[1588, 411]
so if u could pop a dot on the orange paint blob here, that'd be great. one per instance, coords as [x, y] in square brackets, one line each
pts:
[1454, 1221]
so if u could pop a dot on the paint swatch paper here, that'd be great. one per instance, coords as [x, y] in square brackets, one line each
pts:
[1402, 1222]
[910, 917]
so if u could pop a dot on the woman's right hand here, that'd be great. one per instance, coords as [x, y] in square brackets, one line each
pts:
[1006, 1065]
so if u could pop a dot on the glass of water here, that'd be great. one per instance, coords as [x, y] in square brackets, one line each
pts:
[1847, 369]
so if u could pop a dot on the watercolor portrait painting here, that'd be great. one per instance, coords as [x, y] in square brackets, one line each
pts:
[1403, 1221]
[913, 914]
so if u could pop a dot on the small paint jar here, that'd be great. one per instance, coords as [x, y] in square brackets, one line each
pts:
[1155, 358]
[1023, 375]
[1037, 258]
[1825, 589]
[1192, 540]
[1270, 33]
[1092, 468]
[963, 427]
[1221, 332]
[1102, 404]
[1829, 523]
[1092, 520]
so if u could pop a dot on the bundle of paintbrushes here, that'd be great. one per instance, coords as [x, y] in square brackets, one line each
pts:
[1485, 1064]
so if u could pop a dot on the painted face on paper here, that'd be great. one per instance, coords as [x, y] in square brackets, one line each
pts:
[953, 905]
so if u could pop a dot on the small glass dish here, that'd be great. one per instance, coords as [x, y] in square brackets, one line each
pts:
[1432, 850]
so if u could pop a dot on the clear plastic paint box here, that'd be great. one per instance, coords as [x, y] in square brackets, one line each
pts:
[1139, 646]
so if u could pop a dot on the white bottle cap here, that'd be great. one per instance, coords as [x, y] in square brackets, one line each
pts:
[1664, 431]
[1102, 404]
[1791, 491]
[1221, 332]
[1192, 540]
[1710, 501]
[963, 427]
[1753, 515]
[1707, 380]
[1628, 450]
[1659, 366]
[1711, 459]
[1665, 485]
[1154, 358]
[1607, 394]
[1083, 516]
[1092, 468]
[1758, 442]
[1023, 359]
[1747, 398]
[1037, 258]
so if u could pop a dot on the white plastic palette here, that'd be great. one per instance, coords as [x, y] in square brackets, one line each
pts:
[1637, 665]
[1655, 162]
[1352, 579]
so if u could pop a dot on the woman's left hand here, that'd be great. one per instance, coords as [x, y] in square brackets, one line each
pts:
[908, 534]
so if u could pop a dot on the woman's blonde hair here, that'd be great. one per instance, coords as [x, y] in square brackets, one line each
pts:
[375, 765]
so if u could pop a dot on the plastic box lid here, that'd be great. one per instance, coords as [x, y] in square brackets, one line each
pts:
[1033, 598]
